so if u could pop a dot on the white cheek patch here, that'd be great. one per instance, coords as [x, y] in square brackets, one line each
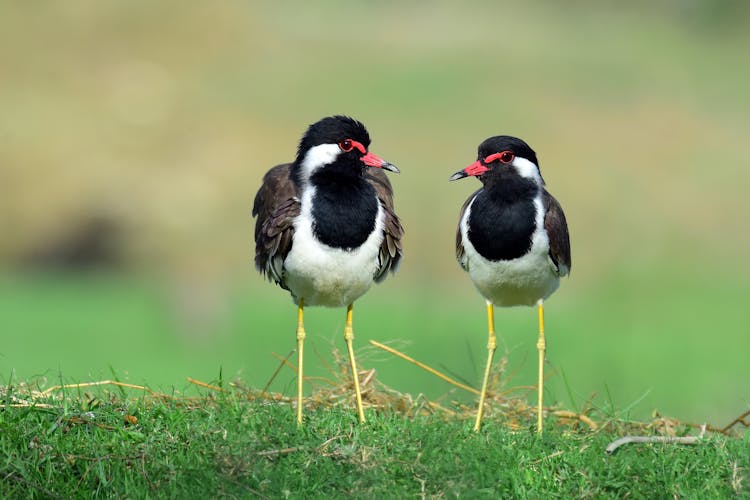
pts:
[527, 169]
[464, 228]
[317, 156]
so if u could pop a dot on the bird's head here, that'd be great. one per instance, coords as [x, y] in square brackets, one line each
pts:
[338, 144]
[504, 156]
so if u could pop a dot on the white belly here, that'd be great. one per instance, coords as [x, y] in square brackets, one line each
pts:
[327, 276]
[521, 281]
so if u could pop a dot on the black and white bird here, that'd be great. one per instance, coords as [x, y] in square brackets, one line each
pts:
[326, 229]
[512, 239]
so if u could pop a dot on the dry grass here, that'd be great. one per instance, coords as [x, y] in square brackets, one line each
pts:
[506, 405]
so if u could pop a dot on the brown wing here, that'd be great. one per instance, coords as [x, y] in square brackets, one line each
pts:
[390, 249]
[557, 231]
[459, 240]
[276, 206]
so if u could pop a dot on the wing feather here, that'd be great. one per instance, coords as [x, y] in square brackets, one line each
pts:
[557, 231]
[390, 249]
[276, 207]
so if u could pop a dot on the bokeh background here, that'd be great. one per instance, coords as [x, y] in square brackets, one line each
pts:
[133, 137]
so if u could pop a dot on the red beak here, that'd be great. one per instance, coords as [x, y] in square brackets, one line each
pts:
[373, 160]
[474, 169]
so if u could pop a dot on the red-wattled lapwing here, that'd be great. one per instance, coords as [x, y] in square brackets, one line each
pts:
[326, 229]
[512, 239]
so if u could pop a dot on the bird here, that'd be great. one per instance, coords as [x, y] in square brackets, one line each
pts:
[326, 228]
[512, 240]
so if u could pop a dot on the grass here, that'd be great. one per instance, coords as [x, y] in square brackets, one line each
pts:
[196, 442]
[619, 344]
[130, 444]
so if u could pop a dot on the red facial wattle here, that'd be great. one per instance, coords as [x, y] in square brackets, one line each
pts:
[506, 157]
[348, 144]
[369, 159]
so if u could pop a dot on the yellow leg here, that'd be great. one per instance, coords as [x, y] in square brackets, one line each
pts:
[491, 346]
[348, 337]
[541, 346]
[300, 357]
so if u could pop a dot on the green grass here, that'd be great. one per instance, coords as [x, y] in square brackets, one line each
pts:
[616, 345]
[226, 446]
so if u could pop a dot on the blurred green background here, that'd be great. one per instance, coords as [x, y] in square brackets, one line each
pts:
[133, 137]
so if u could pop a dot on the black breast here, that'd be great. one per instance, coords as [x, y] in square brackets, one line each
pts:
[501, 229]
[343, 212]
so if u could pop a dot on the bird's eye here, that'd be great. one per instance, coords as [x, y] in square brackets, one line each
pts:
[505, 157]
[346, 145]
